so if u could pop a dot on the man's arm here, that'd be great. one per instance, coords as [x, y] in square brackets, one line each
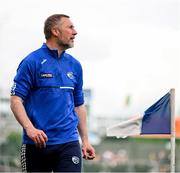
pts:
[87, 149]
[17, 107]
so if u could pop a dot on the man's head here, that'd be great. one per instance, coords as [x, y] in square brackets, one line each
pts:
[60, 28]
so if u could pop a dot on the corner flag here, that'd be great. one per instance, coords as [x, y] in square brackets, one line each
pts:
[156, 120]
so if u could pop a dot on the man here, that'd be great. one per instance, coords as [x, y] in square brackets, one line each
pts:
[47, 100]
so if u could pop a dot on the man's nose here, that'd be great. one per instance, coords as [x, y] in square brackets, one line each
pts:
[74, 32]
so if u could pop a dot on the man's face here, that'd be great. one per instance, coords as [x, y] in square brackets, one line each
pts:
[66, 33]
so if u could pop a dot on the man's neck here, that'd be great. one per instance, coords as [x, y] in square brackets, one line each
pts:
[52, 45]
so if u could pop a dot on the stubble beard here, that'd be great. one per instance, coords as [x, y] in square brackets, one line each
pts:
[64, 45]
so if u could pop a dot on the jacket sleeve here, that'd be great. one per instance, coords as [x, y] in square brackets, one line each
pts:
[23, 80]
[78, 91]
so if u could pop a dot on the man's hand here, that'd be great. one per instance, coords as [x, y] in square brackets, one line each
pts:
[88, 151]
[38, 136]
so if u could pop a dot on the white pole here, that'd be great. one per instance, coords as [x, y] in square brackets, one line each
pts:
[173, 132]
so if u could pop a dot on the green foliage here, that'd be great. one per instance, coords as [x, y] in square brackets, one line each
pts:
[12, 144]
[10, 149]
[14, 137]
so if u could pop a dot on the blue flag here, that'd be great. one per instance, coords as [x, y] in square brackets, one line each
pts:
[157, 118]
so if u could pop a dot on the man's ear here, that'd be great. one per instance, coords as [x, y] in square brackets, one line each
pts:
[55, 31]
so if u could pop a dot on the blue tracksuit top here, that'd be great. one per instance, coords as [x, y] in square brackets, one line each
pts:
[51, 87]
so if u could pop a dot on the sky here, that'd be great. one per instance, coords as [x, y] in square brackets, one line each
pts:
[128, 48]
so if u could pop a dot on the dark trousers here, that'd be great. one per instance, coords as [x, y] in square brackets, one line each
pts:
[57, 158]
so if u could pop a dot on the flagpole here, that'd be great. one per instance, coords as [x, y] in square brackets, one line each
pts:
[173, 132]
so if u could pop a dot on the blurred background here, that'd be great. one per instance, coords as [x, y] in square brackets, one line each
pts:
[130, 53]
